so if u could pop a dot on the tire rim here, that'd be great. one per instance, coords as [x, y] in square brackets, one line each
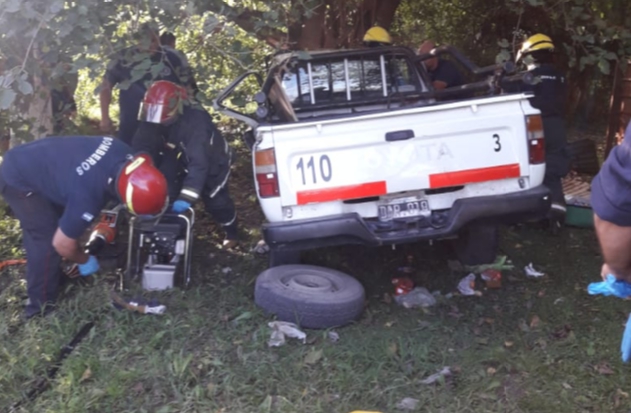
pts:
[309, 282]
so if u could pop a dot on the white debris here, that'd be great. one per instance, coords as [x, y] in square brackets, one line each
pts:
[418, 297]
[282, 329]
[531, 272]
[226, 270]
[445, 372]
[260, 248]
[465, 286]
[333, 336]
[408, 404]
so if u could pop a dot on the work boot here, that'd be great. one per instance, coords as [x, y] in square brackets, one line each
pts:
[232, 235]
[556, 218]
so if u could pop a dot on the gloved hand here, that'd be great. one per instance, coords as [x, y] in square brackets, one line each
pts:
[180, 206]
[90, 267]
[611, 286]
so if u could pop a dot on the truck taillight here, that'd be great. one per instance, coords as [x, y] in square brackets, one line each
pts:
[266, 176]
[536, 139]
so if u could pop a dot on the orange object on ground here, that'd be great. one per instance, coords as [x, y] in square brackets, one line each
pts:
[402, 285]
[493, 278]
[11, 262]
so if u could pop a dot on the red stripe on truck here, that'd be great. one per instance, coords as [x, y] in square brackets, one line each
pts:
[470, 176]
[342, 192]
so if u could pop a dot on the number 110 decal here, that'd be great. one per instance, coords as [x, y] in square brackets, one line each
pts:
[312, 173]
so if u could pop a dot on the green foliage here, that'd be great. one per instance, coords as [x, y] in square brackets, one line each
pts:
[10, 237]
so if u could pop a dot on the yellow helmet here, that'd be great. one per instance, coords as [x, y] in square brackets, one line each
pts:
[377, 35]
[536, 42]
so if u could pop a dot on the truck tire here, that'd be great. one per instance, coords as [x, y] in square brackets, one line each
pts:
[277, 258]
[309, 296]
[477, 244]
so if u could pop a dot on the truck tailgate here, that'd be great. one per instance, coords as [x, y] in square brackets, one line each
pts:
[414, 149]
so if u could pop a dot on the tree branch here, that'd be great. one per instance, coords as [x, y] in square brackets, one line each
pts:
[248, 21]
[30, 45]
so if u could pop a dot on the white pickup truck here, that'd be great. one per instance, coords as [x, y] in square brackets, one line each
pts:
[355, 146]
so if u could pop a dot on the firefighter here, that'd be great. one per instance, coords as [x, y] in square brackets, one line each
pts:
[144, 59]
[172, 126]
[550, 98]
[377, 36]
[56, 186]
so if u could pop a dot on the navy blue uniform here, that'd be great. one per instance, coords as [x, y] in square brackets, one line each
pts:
[549, 97]
[120, 71]
[57, 182]
[446, 71]
[611, 187]
[205, 155]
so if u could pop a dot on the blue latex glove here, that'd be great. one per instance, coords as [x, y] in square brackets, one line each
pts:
[180, 206]
[611, 286]
[625, 346]
[621, 289]
[90, 267]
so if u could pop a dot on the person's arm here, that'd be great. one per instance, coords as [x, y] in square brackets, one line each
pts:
[198, 165]
[615, 243]
[149, 139]
[68, 248]
[439, 84]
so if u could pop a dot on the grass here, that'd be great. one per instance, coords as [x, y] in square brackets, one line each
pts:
[532, 346]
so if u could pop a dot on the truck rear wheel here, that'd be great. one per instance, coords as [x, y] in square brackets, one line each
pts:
[310, 296]
[477, 244]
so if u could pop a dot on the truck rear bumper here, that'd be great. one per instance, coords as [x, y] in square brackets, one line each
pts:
[352, 229]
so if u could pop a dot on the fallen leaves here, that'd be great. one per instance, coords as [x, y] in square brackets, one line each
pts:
[604, 368]
[313, 357]
[535, 321]
[562, 333]
[87, 375]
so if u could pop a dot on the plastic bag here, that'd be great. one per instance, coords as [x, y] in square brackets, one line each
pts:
[418, 297]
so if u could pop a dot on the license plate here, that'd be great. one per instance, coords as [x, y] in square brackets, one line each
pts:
[403, 208]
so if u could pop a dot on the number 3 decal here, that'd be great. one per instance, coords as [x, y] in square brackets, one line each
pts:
[498, 145]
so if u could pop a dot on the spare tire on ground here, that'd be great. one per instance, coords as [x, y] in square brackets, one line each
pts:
[310, 296]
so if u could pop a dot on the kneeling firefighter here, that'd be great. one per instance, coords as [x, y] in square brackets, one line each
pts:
[550, 98]
[178, 133]
[57, 186]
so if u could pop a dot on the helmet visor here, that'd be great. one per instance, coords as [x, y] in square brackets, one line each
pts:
[152, 112]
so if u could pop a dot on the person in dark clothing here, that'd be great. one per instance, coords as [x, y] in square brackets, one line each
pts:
[611, 203]
[121, 71]
[171, 128]
[56, 186]
[550, 98]
[444, 73]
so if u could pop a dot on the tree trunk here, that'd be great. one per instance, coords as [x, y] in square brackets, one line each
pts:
[341, 24]
[39, 113]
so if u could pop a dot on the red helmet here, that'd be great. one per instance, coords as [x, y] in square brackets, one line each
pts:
[142, 187]
[162, 102]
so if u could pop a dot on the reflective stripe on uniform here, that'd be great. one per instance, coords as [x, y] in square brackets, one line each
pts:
[190, 193]
[230, 222]
[212, 195]
[558, 207]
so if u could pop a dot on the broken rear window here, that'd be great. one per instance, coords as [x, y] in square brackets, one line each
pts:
[352, 79]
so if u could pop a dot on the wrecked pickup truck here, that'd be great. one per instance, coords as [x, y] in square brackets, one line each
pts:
[356, 147]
